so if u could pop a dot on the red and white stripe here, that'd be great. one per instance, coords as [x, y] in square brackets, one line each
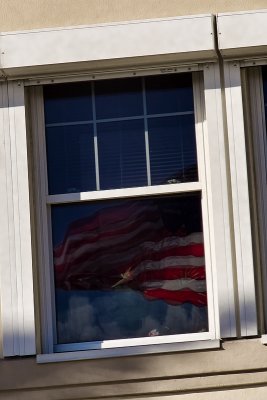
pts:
[131, 246]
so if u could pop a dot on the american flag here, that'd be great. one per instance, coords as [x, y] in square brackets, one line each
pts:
[151, 246]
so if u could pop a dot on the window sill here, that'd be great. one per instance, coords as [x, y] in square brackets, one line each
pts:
[128, 351]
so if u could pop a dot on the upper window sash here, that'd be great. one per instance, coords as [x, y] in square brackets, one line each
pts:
[112, 134]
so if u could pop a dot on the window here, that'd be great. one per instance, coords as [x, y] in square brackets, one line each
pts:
[102, 143]
[124, 209]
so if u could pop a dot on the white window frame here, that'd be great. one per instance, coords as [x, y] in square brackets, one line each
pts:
[214, 213]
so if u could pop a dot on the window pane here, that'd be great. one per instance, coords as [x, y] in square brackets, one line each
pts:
[129, 268]
[172, 146]
[169, 93]
[70, 159]
[119, 98]
[69, 102]
[121, 152]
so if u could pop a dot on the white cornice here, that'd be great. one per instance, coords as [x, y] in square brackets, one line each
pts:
[180, 39]
[242, 34]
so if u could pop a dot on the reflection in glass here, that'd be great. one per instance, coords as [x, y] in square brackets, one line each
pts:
[172, 146]
[70, 159]
[129, 268]
[118, 98]
[121, 153]
[68, 102]
[169, 93]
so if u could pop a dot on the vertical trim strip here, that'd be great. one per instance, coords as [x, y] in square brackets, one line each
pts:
[18, 321]
[22, 226]
[8, 290]
[240, 198]
[218, 196]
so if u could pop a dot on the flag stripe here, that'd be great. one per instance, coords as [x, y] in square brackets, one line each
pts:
[132, 259]
[172, 273]
[94, 253]
[176, 285]
[71, 246]
[101, 223]
[178, 297]
[131, 245]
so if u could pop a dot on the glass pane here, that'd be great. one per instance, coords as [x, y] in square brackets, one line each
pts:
[119, 98]
[169, 93]
[129, 268]
[70, 159]
[121, 152]
[172, 147]
[69, 102]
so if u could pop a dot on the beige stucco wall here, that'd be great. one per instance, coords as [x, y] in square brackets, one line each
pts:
[30, 14]
[236, 371]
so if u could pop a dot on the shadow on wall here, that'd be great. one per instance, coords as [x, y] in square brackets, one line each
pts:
[22, 378]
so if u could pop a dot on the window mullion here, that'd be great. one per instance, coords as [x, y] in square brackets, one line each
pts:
[146, 134]
[95, 139]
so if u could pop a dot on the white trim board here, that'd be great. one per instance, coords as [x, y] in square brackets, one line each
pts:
[218, 196]
[240, 199]
[184, 38]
